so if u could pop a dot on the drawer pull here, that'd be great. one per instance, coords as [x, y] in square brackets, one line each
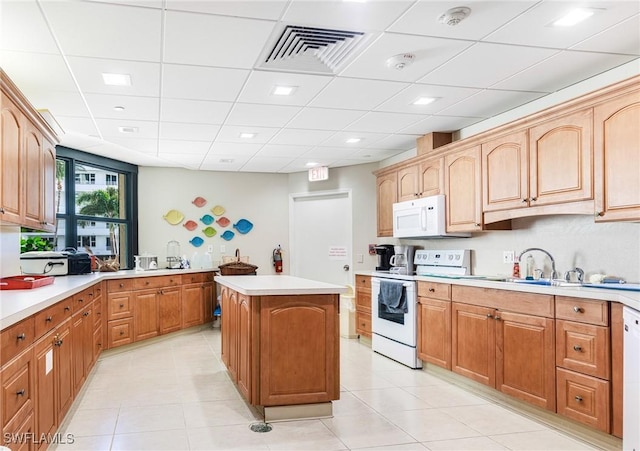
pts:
[21, 337]
[85, 314]
[122, 332]
[121, 285]
[21, 392]
[577, 348]
[58, 342]
[121, 305]
[578, 398]
[66, 309]
[80, 300]
[578, 309]
[48, 319]
[432, 290]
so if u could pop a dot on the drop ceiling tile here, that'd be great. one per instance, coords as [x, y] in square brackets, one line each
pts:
[300, 165]
[339, 139]
[263, 9]
[428, 52]
[399, 143]
[356, 94]
[282, 151]
[562, 70]
[441, 124]
[330, 153]
[147, 146]
[144, 3]
[145, 77]
[214, 40]
[202, 83]
[485, 17]
[236, 149]
[60, 103]
[488, 103]
[139, 108]
[231, 133]
[352, 16]
[375, 154]
[485, 64]
[534, 27]
[261, 115]
[301, 137]
[260, 85]
[324, 118]
[106, 30]
[445, 96]
[188, 132]
[383, 122]
[621, 38]
[194, 111]
[23, 28]
[183, 147]
[265, 164]
[189, 161]
[26, 68]
[145, 129]
[82, 125]
[222, 163]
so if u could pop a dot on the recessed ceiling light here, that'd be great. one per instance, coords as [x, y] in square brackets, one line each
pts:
[247, 135]
[117, 79]
[424, 100]
[311, 164]
[353, 140]
[128, 129]
[573, 17]
[283, 90]
[118, 108]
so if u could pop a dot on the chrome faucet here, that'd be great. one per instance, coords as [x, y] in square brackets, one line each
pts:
[554, 273]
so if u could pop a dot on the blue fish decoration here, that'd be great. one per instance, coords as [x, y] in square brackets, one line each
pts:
[243, 226]
[227, 235]
[196, 241]
[207, 219]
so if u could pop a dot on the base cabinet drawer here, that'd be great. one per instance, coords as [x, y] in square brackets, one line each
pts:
[363, 323]
[120, 332]
[584, 398]
[584, 348]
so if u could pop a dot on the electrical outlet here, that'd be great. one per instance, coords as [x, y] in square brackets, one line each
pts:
[359, 258]
[223, 249]
[508, 256]
[210, 248]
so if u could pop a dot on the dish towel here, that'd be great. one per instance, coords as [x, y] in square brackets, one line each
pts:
[392, 295]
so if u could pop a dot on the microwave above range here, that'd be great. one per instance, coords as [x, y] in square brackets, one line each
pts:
[422, 218]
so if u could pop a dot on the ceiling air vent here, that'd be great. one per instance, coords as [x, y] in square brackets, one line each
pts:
[307, 49]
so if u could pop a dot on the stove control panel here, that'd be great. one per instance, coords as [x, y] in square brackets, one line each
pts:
[447, 258]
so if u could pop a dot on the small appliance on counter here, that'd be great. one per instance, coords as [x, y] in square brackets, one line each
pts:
[384, 252]
[402, 261]
[67, 262]
[145, 262]
[174, 259]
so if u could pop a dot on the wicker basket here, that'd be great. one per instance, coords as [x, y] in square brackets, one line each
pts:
[237, 266]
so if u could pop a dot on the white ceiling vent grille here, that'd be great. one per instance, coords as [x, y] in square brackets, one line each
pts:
[318, 50]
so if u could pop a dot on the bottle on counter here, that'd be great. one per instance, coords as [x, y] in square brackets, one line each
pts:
[531, 266]
[516, 269]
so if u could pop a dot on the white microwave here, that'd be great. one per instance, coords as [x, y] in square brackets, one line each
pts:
[422, 218]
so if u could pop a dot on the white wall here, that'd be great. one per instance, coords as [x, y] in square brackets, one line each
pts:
[260, 198]
[9, 251]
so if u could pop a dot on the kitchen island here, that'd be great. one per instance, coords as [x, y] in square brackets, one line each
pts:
[280, 343]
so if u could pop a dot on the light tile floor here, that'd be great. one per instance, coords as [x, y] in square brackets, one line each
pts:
[175, 394]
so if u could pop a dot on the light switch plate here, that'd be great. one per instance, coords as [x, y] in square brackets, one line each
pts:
[223, 249]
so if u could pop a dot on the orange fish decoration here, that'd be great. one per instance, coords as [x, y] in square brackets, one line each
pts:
[223, 221]
[190, 225]
[199, 201]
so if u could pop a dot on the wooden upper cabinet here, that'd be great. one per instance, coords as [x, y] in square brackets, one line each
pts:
[33, 191]
[617, 159]
[11, 134]
[387, 195]
[408, 185]
[422, 179]
[49, 187]
[505, 172]
[561, 159]
[463, 190]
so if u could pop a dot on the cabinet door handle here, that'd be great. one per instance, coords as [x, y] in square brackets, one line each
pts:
[48, 319]
[578, 309]
[58, 342]
[525, 200]
[1, 210]
[489, 315]
[578, 398]
[432, 290]
[66, 309]
[533, 199]
[21, 392]
[85, 314]
[497, 318]
[599, 214]
[577, 348]
[21, 337]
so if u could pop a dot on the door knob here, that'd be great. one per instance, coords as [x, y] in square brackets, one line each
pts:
[346, 267]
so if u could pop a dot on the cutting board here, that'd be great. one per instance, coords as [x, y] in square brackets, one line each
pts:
[615, 286]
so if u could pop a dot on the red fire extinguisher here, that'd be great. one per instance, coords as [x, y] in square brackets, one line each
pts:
[277, 258]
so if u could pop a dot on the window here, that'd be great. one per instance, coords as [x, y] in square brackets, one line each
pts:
[97, 205]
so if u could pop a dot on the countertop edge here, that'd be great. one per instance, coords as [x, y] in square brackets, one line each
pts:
[278, 285]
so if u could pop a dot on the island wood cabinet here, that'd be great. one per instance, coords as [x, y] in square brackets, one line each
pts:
[27, 162]
[616, 144]
[363, 305]
[265, 355]
[386, 196]
[434, 323]
[463, 189]
[424, 178]
[548, 164]
[505, 340]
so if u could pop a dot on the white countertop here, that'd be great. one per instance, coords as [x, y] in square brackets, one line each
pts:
[628, 298]
[278, 285]
[16, 305]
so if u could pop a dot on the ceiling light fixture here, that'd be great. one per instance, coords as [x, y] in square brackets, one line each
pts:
[454, 16]
[400, 61]
[116, 79]
[226, 160]
[420, 101]
[128, 129]
[311, 164]
[118, 108]
[353, 140]
[247, 135]
[283, 90]
[573, 17]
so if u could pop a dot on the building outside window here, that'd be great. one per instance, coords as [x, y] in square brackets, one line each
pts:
[111, 179]
[85, 179]
[86, 241]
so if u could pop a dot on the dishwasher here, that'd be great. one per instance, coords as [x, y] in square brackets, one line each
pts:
[631, 384]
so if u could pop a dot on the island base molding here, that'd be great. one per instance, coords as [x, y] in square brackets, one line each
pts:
[273, 414]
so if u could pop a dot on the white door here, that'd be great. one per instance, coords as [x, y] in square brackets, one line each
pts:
[320, 236]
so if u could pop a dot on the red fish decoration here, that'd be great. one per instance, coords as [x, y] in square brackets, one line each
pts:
[190, 225]
[199, 201]
[223, 221]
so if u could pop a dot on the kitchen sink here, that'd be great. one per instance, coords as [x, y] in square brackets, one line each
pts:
[548, 282]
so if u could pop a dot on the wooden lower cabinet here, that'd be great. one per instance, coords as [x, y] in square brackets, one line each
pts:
[170, 310]
[192, 305]
[146, 320]
[46, 415]
[120, 332]
[245, 371]
[473, 349]
[18, 391]
[63, 363]
[363, 305]
[434, 332]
